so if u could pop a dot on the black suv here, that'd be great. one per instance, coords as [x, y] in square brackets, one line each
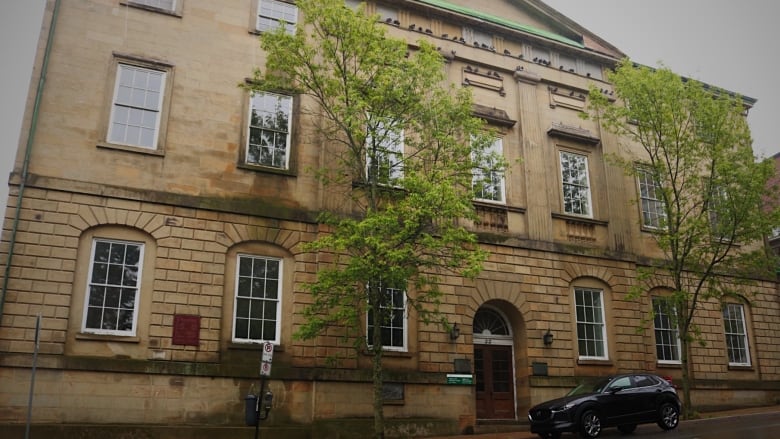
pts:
[621, 400]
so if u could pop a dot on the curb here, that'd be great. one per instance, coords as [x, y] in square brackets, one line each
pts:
[702, 417]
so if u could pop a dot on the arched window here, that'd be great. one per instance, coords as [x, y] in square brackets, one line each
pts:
[489, 322]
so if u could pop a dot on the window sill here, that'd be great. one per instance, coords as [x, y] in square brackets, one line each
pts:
[134, 149]
[661, 365]
[393, 402]
[581, 219]
[391, 354]
[86, 336]
[741, 367]
[252, 346]
[163, 11]
[479, 202]
[267, 169]
[593, 362]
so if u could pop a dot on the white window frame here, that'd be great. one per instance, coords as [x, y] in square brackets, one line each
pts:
[262, 104]
[485, 175]
[134, 106]
[271, 13]
[719, 197]
[127, 283]
[591, 323]
[667, 335]
[577, 181]
[735, 329]
[263, 300]
[391, 326]
[389, 151]
[651, 204]
[163, 5]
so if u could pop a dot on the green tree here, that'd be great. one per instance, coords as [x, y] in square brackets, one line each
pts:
[400, 145]
[691, 144]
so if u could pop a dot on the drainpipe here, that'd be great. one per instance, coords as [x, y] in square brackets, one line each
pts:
[27, 153]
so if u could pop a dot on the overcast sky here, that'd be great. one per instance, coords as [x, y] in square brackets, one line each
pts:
[727, 43]
[20, 24]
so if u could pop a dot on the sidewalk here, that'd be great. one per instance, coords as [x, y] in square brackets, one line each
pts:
[529, 435]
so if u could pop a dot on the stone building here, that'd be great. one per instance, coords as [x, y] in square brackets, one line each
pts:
[773, 241]
[141, 201]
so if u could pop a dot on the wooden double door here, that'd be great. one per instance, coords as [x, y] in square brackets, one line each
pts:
[494, 374]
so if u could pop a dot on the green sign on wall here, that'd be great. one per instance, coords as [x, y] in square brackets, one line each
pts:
[460, 378]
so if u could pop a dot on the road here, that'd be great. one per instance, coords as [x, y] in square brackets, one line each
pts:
[749, 426]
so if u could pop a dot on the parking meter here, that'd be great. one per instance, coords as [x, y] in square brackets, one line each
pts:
[268, 399]
[264, 405]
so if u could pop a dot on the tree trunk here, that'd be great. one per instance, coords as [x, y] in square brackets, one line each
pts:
[376, 341]
[688, 410]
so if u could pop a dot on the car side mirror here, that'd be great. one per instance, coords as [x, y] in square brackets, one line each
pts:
[615, 390]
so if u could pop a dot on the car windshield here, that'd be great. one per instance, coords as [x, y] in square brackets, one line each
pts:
[589, 387]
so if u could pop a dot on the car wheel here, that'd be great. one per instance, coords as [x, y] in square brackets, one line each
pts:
[668, 416]
[627, 428]
[553, 435]
[590, 424]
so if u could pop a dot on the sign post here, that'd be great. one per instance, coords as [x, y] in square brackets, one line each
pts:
[265, 371]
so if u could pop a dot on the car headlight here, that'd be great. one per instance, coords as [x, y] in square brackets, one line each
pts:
[564, 407]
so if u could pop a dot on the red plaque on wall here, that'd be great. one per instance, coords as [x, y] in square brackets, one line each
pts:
[186, 330]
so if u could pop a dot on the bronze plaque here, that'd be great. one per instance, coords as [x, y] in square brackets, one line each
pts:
[186, 330]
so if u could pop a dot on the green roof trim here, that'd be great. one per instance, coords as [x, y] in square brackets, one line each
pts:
[503, 22]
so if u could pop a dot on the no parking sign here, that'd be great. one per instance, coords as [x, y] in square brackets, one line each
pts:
[268, 357]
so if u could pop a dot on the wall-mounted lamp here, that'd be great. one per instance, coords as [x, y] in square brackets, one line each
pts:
[547, 338]
[454, 332]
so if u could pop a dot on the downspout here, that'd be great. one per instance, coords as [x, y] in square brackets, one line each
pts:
[27, 153]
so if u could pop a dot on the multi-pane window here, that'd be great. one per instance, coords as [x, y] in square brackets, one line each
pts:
[667, 340]
[591, 335]
[736, 334]
[269, 130]
[113, 288]
[653, 212]
[168, 5]
[385, 154]
[720, 223]
[271, 13]
[488, 178]
[393, 325]
[576, 184]
[257, 304]
[137, 106]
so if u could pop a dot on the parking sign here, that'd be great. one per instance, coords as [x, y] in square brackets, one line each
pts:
[268, 357]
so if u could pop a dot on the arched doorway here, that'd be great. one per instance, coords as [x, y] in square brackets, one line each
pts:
[493, 365]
